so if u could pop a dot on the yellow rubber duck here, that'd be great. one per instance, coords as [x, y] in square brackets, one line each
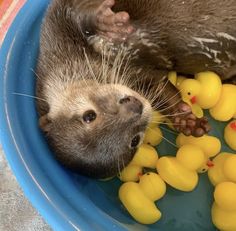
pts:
[223, 168]
[146, 156]
[210, 146]
[181, 171]
[202, 92]
[224, 208]
[230, 134]
[174, 79]
[157, 119]
[139, 198]
[225, 109]
[153, 134]
[204, 89]
[187, 88]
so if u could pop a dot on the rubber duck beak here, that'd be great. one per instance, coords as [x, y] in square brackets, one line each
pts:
[140, 174]
[210, 164]
[233, 126]
[193, 99]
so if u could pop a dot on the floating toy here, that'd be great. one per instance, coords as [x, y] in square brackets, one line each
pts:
[204, 89]
[230, 134]
[157, 119]
[153, 134]
[172, 76]
[174, 79]
[139, 198]
[146, 156]
[210, 145]
[181, 171]
[225, 109]
[224, 208]
[224, 168]
[202, 92]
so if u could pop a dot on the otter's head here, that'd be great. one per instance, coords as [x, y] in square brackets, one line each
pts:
[96, 129]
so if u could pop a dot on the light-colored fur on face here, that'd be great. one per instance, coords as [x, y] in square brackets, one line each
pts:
[78, 93]
[76, 98]
[104, 144]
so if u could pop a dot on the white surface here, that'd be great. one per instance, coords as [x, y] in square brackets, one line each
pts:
[16, 212]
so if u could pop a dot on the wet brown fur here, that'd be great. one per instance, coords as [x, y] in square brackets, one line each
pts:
[171, 27]
[67, 88]
[168, 29]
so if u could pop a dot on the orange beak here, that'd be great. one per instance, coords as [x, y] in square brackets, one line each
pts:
[140, 174]
[210, 164]
[233, 126]
[193, 99]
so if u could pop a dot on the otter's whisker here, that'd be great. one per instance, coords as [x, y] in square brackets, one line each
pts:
[167, 140]
[140, 87]
[172, 106]
[118, 74]
[29, 96]
[147, 93]
[161, 108]
[126, 74]
[169, 99]
[177, 114]
[160, 100]
[119, 168]
[123, 163]
[160, 123]
[35, 73]
[117, 64]
[156, 93]
[158, 90]
[106, 56]
[132, 83]
[123, 65]
[169, 130]
[89, 66]
[153, 95]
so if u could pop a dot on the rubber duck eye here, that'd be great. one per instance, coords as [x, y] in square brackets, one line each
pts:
[189, 93]
[135, 141]
[89, 116]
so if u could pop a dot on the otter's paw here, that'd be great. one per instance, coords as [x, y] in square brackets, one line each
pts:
[113, 26]
[187, 123]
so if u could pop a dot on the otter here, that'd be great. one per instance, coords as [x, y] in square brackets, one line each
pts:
[102, 68]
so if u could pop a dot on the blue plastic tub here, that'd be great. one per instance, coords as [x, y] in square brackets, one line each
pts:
[68, 201]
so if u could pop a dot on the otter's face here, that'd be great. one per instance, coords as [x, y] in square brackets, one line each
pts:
[98, 130]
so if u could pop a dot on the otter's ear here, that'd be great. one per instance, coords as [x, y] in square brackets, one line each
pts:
[45, 123]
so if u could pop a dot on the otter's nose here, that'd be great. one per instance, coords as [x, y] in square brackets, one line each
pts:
[130, 103]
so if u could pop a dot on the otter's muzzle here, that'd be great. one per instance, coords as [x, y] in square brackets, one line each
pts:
[131, 104]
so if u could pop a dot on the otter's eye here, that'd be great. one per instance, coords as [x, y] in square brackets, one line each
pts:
[89, 116]
[135, 141]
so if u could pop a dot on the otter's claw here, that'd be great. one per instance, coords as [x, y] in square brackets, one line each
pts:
[186, 122]
[113, 26]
